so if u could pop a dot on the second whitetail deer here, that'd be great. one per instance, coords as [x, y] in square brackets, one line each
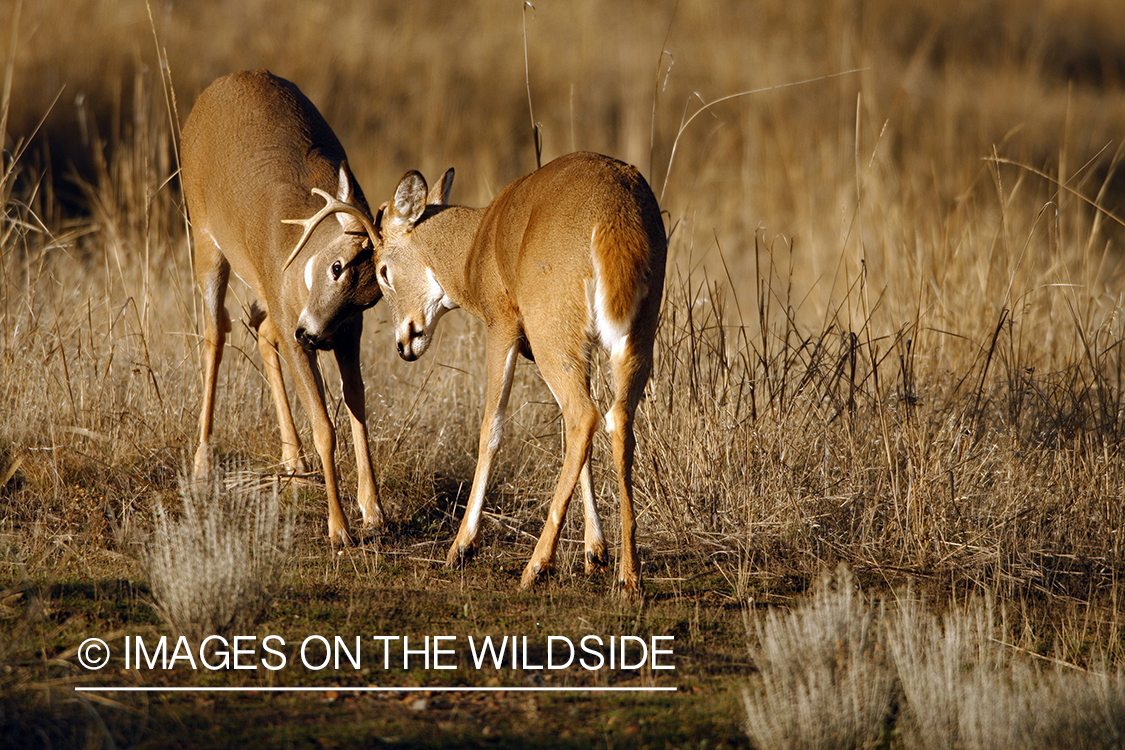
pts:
[256, 156]
[565, 258]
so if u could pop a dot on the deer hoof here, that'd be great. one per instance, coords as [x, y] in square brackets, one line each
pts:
[373, 517]
[339, 537]
[596, 561]
[533, 573]
[295, 466]
[459, 554]
[202, 468]
[631, 590]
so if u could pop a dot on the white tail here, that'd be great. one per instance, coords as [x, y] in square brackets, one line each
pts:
[566, 257]
[256, 156]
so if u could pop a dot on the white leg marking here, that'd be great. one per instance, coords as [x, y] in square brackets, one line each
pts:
[589, 506]
[211, 294]
[208, 233]
[480, 483]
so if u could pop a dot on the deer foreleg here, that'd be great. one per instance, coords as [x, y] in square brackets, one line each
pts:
[501, 367]
[351, 380]
[216, 328]
[567, 376]
[268, 338]
[310, 391]
[581, 421]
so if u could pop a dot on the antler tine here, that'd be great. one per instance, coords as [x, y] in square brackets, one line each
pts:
[309, 224]
[331, 206]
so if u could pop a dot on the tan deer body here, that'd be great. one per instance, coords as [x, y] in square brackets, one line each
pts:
[254, 148]
[566, 258]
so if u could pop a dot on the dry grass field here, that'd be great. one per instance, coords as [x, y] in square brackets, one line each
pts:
[890, 346]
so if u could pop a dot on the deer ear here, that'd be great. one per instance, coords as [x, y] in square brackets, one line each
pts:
[379, 220]
[344, 189]
[344, 192]
[439, 193]
[410, 200]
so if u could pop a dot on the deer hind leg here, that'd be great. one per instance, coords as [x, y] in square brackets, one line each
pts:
[268, 338]
[568, 377]
[213, 273]
[631, 365]
[351, 381]
[501, 358]
[597, 559]
[310, 391]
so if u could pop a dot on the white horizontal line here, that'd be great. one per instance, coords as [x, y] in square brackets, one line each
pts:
[275, 689]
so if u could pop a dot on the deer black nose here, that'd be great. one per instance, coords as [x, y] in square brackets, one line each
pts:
[406, 350]
[308, 340]
[302, 336]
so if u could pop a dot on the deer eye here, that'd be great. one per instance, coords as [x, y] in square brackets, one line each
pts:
[337, 269]
[384, 275]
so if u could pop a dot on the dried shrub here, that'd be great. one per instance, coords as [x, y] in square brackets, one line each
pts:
[824, 679]
[214, 569]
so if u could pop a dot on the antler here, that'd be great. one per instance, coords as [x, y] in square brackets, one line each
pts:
[331, 206]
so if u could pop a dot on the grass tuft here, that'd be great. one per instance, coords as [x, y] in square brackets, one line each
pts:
[965, 687]
[824, 680]
[840, 672]
[214, 569]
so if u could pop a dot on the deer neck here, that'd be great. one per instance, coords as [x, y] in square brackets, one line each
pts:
[449, 235]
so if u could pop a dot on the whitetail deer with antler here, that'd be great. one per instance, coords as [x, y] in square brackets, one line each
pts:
[256, 156]
[567, 257]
